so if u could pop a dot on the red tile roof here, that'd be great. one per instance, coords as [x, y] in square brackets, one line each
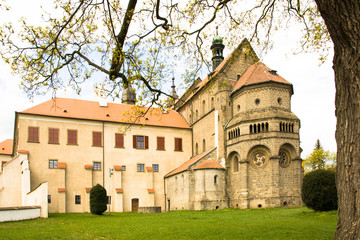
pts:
[117, 167]
[218, 69]
[88, 189]
[209, 164]
[62, 165]
[151, 190]
[88, 166]
[119, 190]
[61, 189]
[6, 147]
[122, 113]
[187, 164]
[258, 73]
[149, 169]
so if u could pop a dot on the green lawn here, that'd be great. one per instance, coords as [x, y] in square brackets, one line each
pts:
[275, 223]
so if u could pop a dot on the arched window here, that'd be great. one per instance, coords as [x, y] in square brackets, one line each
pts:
[267, 127]
[280, 126]
[229, 136]
[212, 103]
[251, 130]
[204, 145]
[239, 132]
[196, 115]
[259, 130]
[196, 149]
[263, 127]
[236, 164]
[215, 179]
[255, 128]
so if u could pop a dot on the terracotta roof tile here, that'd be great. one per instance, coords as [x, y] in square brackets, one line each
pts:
[209, 164]
[88, 189]
[6, 147]
[187, 164]
[149, 169]
[61, 189]
[258, 73]
[114, 112]
[117, 167]
[88, 166]
[23, 151]
[119, 190]
[61, 165]
[151, 190]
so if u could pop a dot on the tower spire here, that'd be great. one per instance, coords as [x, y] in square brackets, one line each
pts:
[128, 95]
[173, 92]
[217, 48]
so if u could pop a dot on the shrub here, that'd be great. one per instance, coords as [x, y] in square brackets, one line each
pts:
[98, 200]
[318, 190]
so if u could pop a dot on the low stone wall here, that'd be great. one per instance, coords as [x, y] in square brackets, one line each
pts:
[149, 209]
[8, 214]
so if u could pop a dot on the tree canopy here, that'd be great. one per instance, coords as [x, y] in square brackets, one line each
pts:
[131, 42]
[320, 159]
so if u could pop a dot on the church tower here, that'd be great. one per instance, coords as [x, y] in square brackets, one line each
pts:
[217, 48]
[128, 95]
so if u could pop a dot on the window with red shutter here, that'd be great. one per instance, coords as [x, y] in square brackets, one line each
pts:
[178, 144]
[119, 140]
[72, 137]
[97, 139]
[160, 143]
[140, 142]
[53, 135]
[33, 134]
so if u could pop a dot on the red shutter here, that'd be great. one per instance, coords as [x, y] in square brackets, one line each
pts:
[53, 135]
[97, 139]
[134, 141]
[119, 140]
[72, 137]
[178, 144]
[146, 142]
[160, 143]
[33, 134]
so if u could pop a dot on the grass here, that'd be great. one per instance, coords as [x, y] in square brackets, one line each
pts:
[274, 223]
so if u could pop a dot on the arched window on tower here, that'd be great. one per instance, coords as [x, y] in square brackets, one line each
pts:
[267, 127]
[251, 130]
[212, 102]
[204, 145]
[196, 149]
[215, 179]
[236, 164]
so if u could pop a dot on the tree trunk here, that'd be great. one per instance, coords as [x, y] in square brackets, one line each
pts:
[343, 23]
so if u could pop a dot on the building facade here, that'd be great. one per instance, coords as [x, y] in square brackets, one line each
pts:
[231, 140]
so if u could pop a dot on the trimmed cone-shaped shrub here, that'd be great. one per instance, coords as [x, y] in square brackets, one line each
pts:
[318, 190]
[98, 200]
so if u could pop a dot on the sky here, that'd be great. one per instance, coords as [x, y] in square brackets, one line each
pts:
[313, 100]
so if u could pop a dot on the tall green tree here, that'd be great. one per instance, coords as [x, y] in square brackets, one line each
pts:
[320, 159]
[95, 35]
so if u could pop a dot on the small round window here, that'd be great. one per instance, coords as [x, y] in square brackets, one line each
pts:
[257, 101]
[259, 160]
[284, 160]
[279, 100]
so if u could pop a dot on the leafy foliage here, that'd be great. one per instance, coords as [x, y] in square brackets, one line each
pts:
[98, 199]
[318, 190]
[320, 159]
[140, 42]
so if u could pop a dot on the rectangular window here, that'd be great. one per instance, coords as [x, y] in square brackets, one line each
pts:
[155, 167]
[178, 144]
[119, 140]
[97, 139]
[49, 198]
[72, 137]
[123, 168]
[53, 135]
[160, 143]
[140, 142]
[77, 199]
[53, 164]
[33, 134]
[140, 167]
[97, 166]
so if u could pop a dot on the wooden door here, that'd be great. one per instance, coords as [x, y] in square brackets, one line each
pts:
[135, 205]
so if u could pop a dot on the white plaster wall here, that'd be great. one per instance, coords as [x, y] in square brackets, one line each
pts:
[19, 214]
